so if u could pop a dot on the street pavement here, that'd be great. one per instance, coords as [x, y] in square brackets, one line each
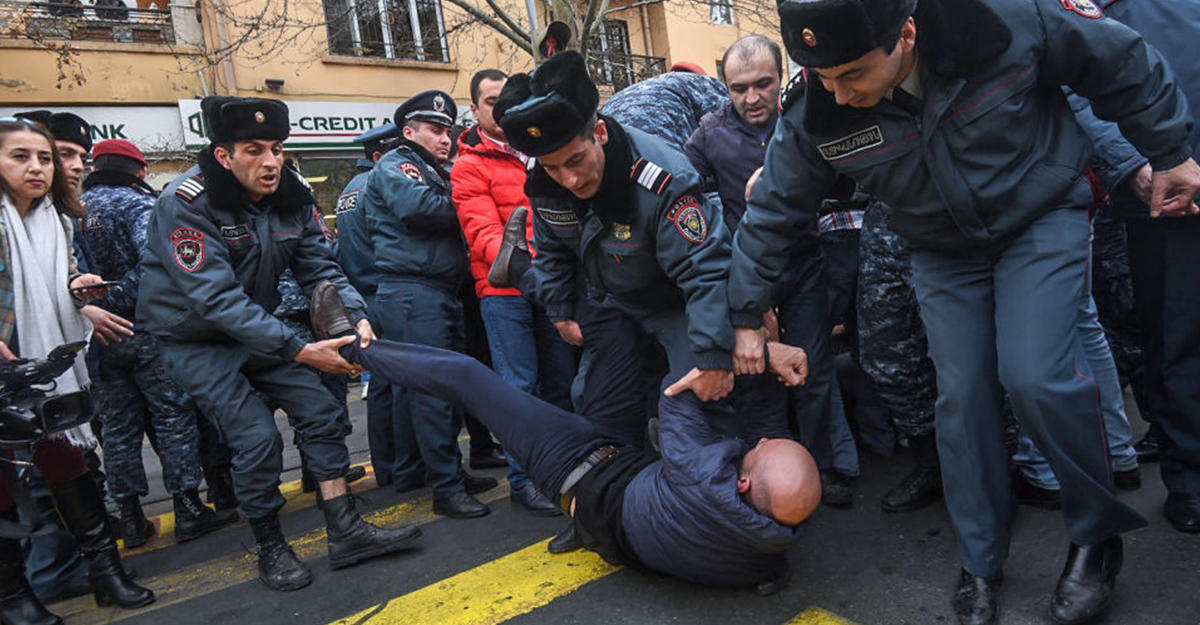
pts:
[855, 565]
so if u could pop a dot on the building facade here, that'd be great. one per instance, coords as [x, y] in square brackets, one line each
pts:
[136, 69]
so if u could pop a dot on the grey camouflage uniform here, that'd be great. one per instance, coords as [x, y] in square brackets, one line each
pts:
[132, 388]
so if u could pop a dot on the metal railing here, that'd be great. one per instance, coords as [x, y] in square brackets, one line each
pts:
[72, 21]
[621, 70]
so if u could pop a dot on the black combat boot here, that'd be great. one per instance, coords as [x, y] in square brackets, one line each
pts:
[194, 519]
[351, 539]
[136, 529]
[18, 604]
[923, 485]
[83, 513]
[220, 490]
[278, 566]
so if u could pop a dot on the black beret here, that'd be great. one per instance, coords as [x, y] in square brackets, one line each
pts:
[63, 126]
[826, 33]
[543, 112]
[428, 106]
[238, 119]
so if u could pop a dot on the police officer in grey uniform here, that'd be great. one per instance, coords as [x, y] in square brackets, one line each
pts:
[951, 112]
[220, 238]
[356, 255]
[421, 259]
[132, 388]
[622, 214]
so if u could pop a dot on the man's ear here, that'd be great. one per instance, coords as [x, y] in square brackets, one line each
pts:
[601, 132]
[743, 484]
[223, 157]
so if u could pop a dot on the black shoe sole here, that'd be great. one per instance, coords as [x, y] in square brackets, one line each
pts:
[487, 463]
[183, 537]
[287, 587]
[542, 512]
[568, 548]
[909, 506]
[344, 560]
[104, 601]
[463, 515]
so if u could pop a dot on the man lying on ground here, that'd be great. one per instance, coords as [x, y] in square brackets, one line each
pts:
[709, 510]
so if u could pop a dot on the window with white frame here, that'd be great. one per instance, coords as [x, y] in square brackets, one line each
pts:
[720, 11]
[390, 29]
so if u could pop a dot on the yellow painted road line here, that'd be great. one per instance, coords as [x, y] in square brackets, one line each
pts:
[817, 616]
[490, 593]
[164, 524]
[216, 575]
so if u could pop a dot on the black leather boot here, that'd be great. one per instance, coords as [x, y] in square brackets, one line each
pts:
[220, 491]
[567, 540]
[351, 539]
[923, 485]
[278, 566]
[194, 519]
[1087, 581]
[18, 604]
[82, 511]
[975, 599]
[136, 529]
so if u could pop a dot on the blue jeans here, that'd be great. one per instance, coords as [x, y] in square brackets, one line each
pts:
[529, 354]
[1123, 457]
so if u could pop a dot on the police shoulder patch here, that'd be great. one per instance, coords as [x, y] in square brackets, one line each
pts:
[191, 188]
[650, 176]
[411, 171]
[794, 89]
[1086, 8]
[188, 244]
[347, 202]
[689, 220]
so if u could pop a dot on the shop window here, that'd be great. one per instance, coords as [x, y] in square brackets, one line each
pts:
[721, 11]
[328, 174]
[389, 29]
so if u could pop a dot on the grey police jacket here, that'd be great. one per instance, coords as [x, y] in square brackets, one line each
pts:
[355, 250]
[649, 241]
[412, 221]
[994, 146]
[213, 260]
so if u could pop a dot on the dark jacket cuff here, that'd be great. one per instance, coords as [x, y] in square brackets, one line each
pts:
[292, 347]
[714, 359]
[561, 311]
[1171, 159]
[746, 320]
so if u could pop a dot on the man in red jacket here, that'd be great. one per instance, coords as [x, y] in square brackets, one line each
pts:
[488, 183]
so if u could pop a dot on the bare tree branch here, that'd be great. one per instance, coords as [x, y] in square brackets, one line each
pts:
[507, 19]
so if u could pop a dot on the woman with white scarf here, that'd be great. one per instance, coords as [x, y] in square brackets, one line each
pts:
[38, 312]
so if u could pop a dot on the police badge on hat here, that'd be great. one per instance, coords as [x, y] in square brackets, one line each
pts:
[189, 248]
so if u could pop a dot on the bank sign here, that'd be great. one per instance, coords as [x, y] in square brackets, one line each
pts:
[315, 125]
[154, 129]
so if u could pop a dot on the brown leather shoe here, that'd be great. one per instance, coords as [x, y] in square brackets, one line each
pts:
[514, 239]
[328, 312]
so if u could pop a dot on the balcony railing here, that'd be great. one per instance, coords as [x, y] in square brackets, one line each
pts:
[621, 70]
[72, 21]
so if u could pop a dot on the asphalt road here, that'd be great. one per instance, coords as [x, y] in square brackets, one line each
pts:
[857, 564]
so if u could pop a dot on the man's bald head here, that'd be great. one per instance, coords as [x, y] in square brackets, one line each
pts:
[781, 480]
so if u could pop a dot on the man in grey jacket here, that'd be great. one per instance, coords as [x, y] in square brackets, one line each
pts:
[952, 113]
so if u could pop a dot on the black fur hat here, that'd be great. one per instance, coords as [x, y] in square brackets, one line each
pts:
[826, 33]
[542, 112]
[237, 119]
[63, 126]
